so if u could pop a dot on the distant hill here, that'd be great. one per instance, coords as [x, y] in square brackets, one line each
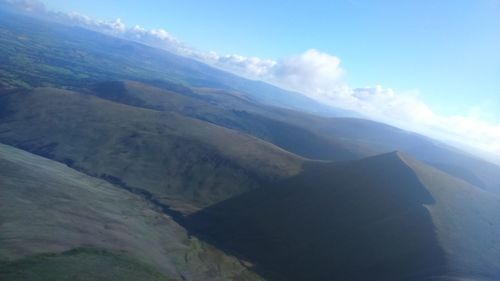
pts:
[180, 160]
[43, 53]
[233, 110]
[72, 57]
[387, 217]
[307, 135]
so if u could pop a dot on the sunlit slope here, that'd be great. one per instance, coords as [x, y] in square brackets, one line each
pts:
[304, 134]
[89, 264]
[467, 223]
[177, 159]
[49, 208]
[382, 218]
[232, 110]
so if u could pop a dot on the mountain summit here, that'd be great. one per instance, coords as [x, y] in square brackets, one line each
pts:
[387, 217]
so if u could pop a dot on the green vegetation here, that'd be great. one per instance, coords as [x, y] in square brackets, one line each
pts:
[306, 135]
[50, 208]
[38, 53]
[149, 164]
[387, 218]
[43, 53]
[81, 264]
[185, 162]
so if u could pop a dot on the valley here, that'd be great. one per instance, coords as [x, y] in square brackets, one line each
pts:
[119, 161]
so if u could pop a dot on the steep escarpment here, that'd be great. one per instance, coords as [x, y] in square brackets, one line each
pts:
[372, 219]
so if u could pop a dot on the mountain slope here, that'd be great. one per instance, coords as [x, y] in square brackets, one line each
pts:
[383, 138]
[40, 53]
[307, 135]
[185, 162]
[79, 264]
[386, 217]
[466, 221]
[69, 56]
[188, 136]
[234, 111]
[49, 208]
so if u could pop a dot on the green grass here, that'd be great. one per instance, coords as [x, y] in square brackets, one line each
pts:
[49, 208]
[186, 162]
[231, 110]
[81, 264]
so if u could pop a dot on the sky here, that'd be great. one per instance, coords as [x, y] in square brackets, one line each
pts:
[446, 50]
[429, 66]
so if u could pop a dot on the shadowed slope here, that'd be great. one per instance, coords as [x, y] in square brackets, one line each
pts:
[47, 207]
[385, 218]
[363, 220]
[181, 160]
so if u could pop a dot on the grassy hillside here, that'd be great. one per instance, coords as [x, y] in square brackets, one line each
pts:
[50, 208]
[466, 222]
[234, 111]
[82, 264]
[124, 163]
[185, 162]
[307, 135]
[42, 53]
[379, 218]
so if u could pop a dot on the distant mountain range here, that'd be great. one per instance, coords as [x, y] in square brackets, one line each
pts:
[119, 161]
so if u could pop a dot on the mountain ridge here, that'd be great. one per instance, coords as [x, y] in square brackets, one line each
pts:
[386, 217]
[172, 156]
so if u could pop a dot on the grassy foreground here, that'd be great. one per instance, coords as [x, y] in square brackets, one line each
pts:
[81, 264]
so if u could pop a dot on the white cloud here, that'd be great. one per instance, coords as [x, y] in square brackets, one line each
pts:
[320, 76]
[157, 37]
[315, 74]
[311, 71]
[471, 131]
[250, 66]
[114, 27]
[27, 5]
[408, 111]
[385, 103]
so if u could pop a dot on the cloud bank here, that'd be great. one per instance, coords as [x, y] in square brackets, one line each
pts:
[313, 73]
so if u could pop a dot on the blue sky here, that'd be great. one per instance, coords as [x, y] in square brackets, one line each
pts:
[447, 50]
[432, 67]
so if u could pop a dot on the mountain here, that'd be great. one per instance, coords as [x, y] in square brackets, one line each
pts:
[38, 53]
[386, 217]
[307, 135]
[70, 56]
[119, 161]
[60, 224]
[232, 110]
[184, 162]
